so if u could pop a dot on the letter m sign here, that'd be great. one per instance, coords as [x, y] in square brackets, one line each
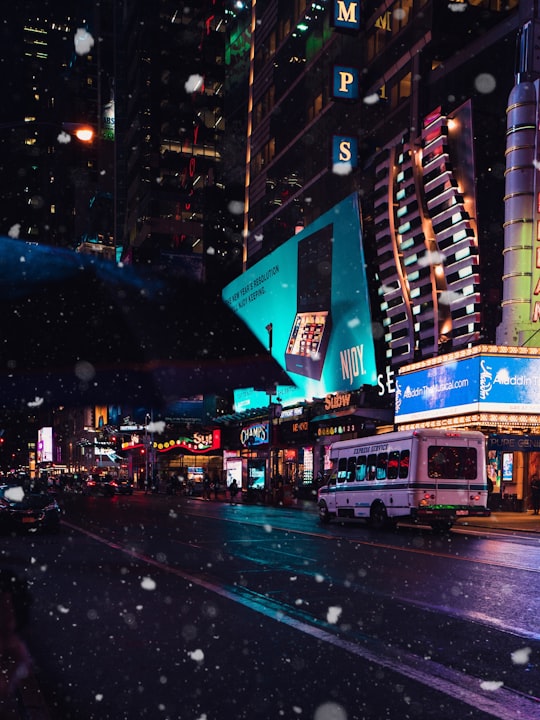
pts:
[347, 14]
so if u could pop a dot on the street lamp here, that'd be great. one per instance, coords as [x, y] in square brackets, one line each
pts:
[146, 420]
[149, 449]
[49, 178]
[82, 131]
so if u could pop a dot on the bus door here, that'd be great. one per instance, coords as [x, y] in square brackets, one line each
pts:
[345, 500]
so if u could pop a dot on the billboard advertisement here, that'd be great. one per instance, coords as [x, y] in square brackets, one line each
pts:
[308, 302]
[45, 445]
[485, 383]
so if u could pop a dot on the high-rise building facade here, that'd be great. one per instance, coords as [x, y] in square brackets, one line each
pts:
[427, 113]
[422, 101]
[47, 175]
[171, 89]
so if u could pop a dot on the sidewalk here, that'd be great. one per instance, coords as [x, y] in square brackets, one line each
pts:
[516, 521]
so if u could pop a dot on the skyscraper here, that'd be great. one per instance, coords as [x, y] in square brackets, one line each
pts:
[46, 175]
[171, 89]
[410, 89]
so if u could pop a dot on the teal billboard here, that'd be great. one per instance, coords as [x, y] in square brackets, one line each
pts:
[308, 302]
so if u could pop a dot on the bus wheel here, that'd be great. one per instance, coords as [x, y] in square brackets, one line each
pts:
[378, 517]
[324, 514]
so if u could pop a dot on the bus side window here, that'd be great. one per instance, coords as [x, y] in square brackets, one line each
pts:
[342, 470]
[393, 464]
[404, 464]
[361, 468]
[371, 467]
[351, 465]
[382, 461]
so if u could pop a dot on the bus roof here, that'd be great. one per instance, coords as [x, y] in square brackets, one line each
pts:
[435, 433]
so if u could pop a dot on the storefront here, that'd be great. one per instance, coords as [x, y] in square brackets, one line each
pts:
[174, 453]
[295, 450]
[492, 389]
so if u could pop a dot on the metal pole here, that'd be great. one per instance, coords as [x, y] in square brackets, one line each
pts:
[146, 451]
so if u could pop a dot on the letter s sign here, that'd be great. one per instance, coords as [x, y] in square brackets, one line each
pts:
[345, 150]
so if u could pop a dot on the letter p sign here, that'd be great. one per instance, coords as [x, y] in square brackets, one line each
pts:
[346, 82]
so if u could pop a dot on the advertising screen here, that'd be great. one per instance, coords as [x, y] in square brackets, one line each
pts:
[256, 474]
[312, 292]
[486, 383]
[234, 471]
[45, 445]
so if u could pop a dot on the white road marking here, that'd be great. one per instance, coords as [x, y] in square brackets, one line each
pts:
[502, 703]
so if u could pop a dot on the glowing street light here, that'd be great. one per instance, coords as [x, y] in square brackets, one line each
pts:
[84, 133]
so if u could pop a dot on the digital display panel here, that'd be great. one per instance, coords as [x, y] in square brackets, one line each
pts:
[45, 445]
[485, 383]
[313, 292]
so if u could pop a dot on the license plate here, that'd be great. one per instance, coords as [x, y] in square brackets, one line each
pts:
[462, 512]
[28, 520]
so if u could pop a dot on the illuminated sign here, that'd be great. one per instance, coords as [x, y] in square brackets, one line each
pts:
[346, 83]
[256, 434]
[313, 291]
[45, 445]
[485, 383]
[344, 151]
[334, 402]
[341, 429]
[346, 14]
[199, 442]
[233, 471]
[249, 398]
[386, 382]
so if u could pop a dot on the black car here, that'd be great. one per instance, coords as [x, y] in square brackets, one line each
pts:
[124, 486]
[25, 510]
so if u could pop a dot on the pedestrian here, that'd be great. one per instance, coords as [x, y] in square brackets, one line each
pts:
[207, 486]
[233, 492]
[535, 493]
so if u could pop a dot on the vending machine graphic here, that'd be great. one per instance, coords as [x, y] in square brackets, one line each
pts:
[310, 332]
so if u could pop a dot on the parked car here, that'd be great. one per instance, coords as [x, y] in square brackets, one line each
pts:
[26, 510]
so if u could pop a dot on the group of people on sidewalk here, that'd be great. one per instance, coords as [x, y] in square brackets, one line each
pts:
[211, 486]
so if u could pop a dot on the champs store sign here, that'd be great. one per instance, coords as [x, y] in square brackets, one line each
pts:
[254, 435]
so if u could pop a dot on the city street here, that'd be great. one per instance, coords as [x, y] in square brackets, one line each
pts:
[169, 607]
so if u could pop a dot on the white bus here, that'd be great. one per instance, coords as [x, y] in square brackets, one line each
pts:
[427, 476]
